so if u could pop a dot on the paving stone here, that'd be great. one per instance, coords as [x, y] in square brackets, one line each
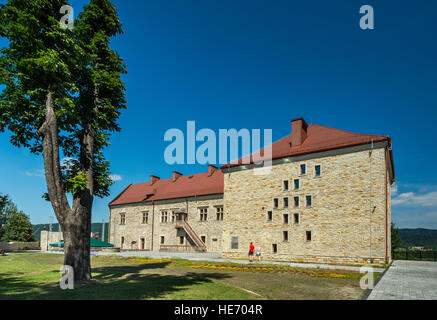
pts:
[407, 280]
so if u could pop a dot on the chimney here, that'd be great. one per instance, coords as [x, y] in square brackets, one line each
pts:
[153, 179]
[176, 175]
[298, 131]
[211, 170]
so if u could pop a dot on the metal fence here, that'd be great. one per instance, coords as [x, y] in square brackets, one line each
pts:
[421, 255]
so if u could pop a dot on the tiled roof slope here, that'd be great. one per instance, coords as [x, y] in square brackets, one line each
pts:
[185, 186]
[319, 138]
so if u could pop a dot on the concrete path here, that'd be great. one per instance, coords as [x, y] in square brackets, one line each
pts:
[407, 280]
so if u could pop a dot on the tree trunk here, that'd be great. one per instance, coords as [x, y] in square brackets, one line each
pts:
[77, 243]
[76, 222]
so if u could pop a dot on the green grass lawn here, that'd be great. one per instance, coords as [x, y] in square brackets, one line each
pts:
[36, 276]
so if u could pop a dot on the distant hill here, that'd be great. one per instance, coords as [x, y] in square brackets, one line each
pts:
[418, 237]
[95, 227]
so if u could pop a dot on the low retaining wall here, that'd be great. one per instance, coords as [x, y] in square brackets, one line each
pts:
[16, 246]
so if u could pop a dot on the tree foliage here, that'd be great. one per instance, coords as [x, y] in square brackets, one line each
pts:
[18, 228]
[7, 209]
[396, 240]
[62, 98]
[77, 65]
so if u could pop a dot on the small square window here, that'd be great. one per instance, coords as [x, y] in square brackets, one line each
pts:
[285, 202]
[309, 201]
[285, 235]
[234, 243]
[296, 201]
[285, 218]
[269, 216]
[308, 235]
[303, 169]
[285, 185]
[145, 217]
[296, 218]
[296, 184]
[318, 171]
[122, 218]
[164, 217]
[203, 214]
[220, 213]
[275, 203]
[274, 248]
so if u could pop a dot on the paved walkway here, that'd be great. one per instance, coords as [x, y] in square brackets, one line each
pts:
[407, 280]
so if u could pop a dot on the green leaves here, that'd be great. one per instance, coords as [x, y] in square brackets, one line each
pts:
[79, 67]
[18, 228]
[11, 221]
[77, 184]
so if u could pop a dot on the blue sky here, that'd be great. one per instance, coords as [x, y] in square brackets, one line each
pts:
[259, 64]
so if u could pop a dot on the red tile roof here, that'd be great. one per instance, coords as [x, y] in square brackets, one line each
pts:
[185, 186]
[319, 138]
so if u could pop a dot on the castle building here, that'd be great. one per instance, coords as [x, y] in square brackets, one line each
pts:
[325, 199]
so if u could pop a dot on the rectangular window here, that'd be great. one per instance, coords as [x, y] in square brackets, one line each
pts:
[285, 185]
[269, 216]
[303, 169]
[285, 202]
[274, 248]
[296, 201]
[234, 243]
[173, 216]
[220, 213]
[203, 238]
[162, 239]
[164, 217]
[181, 240]
[275, 203]
[309, 201]
[285, 235]
[296, 218]
[296, 184]
[318, 171]
[285, 218]
[145, 217]
[122, 218]
[203, 214]
[308, 235]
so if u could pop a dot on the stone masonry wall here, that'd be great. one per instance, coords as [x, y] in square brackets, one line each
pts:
[134, 229]
[347, 218]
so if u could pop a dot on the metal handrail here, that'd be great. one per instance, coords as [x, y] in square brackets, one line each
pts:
[192, 233]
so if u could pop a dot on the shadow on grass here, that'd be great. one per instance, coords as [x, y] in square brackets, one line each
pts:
[109, 283]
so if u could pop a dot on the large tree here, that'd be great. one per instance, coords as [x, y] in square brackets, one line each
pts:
[62, 99]
[7, 209]
[18, 228]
